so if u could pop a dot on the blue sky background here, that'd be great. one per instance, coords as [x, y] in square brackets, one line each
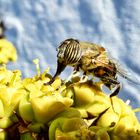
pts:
[37, 27]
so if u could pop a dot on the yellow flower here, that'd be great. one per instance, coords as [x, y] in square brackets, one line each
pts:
[7, 51]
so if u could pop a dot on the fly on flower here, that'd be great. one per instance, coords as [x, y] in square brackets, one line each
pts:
[91, 59]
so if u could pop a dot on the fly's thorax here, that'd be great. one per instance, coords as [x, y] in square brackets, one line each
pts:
[86, 62]
[69, 52]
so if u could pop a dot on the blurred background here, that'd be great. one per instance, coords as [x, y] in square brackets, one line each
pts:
[37, 27]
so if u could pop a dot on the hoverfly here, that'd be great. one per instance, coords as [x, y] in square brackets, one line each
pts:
[91, 59]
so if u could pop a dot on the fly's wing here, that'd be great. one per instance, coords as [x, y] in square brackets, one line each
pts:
[124, 72]
[102, 58]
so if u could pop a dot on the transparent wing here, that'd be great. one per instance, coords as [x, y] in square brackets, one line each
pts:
[123, 71]
[103, 58]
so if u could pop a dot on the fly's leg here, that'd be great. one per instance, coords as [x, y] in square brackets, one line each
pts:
[115, 93]
[75, 73]
[84, 78]
[110, 82]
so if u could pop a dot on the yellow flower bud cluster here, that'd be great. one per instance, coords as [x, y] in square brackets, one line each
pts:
[7, 51]
[30, 110]
[108, 123]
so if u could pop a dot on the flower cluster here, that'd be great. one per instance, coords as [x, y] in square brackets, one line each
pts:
[7, 51]
[61, 111]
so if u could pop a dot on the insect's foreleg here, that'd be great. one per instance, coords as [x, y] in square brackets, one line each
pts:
[84, 78]
[76, 71]
[73, 74]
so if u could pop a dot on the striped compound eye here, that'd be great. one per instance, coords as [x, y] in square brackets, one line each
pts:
[69, 51]
[60, 54]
